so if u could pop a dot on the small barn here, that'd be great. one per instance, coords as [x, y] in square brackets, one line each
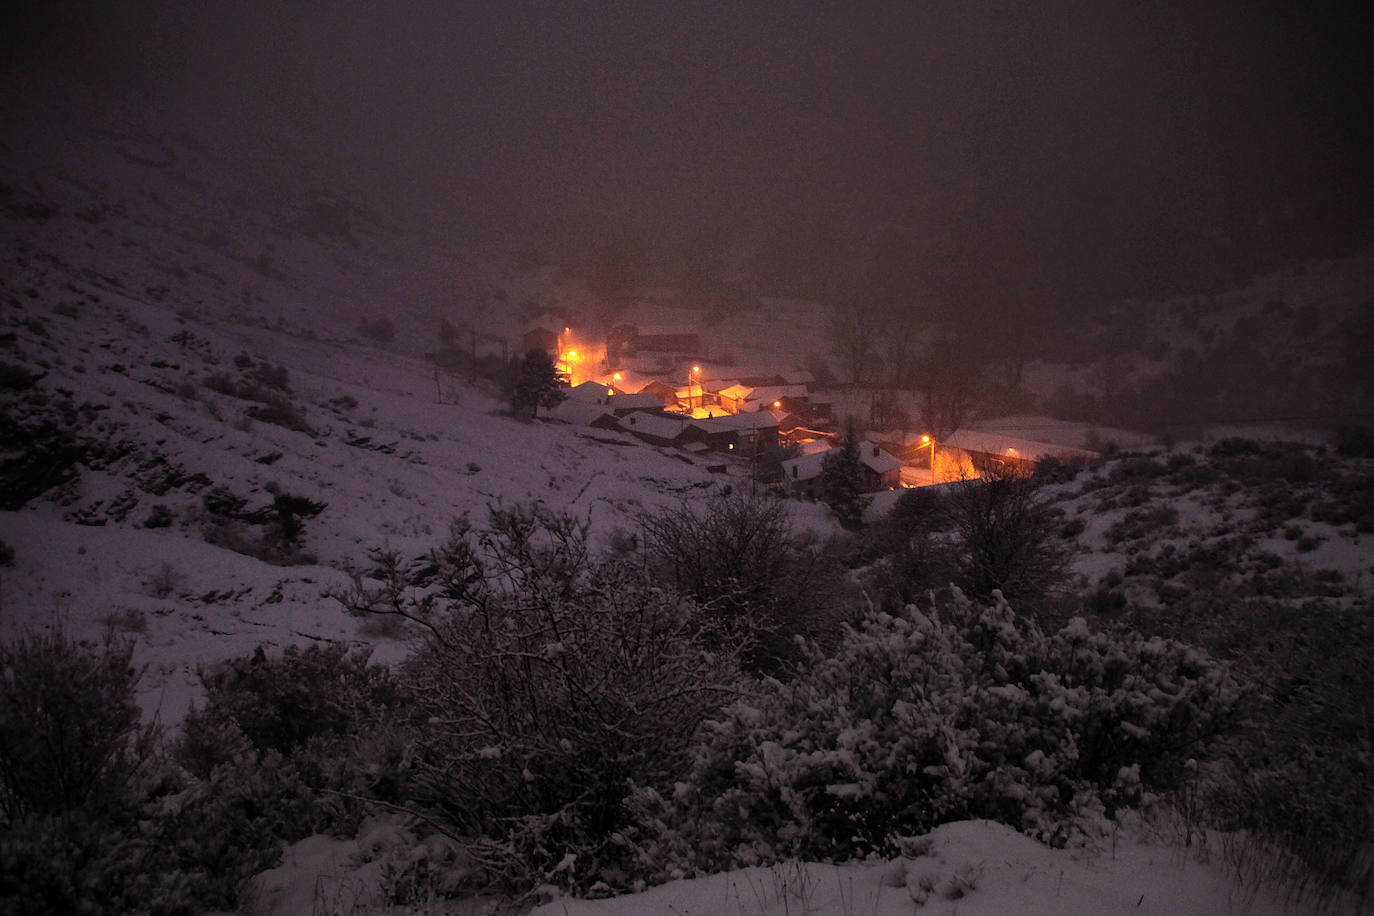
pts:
[732, 397]
[992, 451]
[665, 394]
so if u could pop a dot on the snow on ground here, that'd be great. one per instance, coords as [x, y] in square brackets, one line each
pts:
[125, 299]
[968, 868]
[1068, 433]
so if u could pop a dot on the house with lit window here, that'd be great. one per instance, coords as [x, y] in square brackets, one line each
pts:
[802, 476]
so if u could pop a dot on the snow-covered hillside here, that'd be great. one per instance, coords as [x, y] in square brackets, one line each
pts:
[170, 334]
[199, 441]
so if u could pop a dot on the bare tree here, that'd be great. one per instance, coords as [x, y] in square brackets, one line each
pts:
[738, 557]
[1009, 537]
[854, 329]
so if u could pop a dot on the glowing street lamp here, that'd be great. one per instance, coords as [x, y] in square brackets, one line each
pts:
[696, 371]
[929, 440]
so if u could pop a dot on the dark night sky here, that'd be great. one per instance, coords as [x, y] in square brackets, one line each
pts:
[1045, 153]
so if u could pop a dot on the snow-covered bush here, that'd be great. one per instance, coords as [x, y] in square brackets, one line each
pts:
[550, 686]
[70, 735]
[379, 329]
[279, 703]
[284, 747]
[280, 524]
[77, 775]
[921, 719]
[739, 559]
[1009, 537]
[1297, 780]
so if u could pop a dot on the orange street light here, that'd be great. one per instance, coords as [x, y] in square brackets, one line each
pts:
[930, 440]
[777, 405]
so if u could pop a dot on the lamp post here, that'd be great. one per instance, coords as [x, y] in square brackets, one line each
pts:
[696, 371]
[929, 440]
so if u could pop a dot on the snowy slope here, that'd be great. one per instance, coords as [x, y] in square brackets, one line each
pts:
[117, 311]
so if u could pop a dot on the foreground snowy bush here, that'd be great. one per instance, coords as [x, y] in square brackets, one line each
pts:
[918, 720]
[549, 686]
[77, 783]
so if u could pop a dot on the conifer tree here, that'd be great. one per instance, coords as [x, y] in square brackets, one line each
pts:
[842, 481]
[536, 385]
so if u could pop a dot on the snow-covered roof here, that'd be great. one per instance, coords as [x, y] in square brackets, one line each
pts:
[762, 419]
[736, 391]
[640, 401]
[589, 391]
[804, 467]
[878, 459]
[799, 377]
[652, 424]
[993, 443]
[765, 396]
[579, 413]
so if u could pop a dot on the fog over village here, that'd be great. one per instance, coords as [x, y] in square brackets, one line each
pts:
[578, 458]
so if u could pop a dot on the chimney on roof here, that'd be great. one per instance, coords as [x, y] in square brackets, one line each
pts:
[875, 451]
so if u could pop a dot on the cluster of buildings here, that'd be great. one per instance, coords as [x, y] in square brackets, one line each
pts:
[661, 388]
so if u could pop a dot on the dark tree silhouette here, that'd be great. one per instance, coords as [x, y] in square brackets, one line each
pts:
[536, 385]
[1009, 535]
[842, 481]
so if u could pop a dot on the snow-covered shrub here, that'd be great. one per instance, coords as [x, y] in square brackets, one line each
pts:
[283, 748]
[1297, 780]
[1009, 537]
[70, 735]
[920, 719]
[77, 784]
[280, 703]
[550, 686]
[280, 524]
[378, 329]
[739, 559]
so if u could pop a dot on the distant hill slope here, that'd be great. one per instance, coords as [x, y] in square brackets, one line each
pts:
[179, 352]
